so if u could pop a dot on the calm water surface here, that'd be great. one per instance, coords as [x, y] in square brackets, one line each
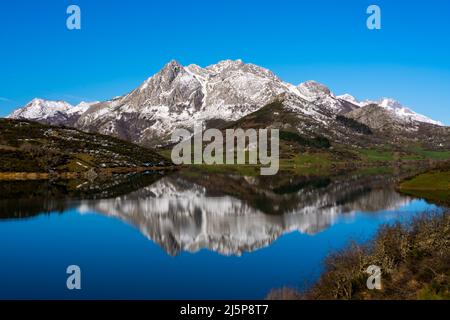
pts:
[186, 235]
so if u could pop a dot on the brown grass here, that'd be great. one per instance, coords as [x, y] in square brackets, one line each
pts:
[414, 258]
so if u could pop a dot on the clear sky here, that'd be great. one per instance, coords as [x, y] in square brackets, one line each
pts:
[122, 43]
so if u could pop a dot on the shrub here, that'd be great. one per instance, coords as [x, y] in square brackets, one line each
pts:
[317, 142]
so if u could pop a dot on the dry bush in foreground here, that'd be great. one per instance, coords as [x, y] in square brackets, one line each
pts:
[414, 258]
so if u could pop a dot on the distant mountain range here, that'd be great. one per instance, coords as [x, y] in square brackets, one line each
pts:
[229, 91]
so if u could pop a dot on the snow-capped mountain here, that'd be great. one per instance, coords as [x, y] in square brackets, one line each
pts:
[179, 96]
[51, 112]
[179, 214]
[394, 107]
[404, 112]
[320, 94]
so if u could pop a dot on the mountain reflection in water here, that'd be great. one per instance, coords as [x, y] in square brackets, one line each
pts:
[228, 214]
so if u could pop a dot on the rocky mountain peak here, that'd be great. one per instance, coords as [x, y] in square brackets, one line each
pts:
[403, 112]
[178, 96]
[313, 88]
[172, 67]
[349, 98]
[320, 94]
[390, 103]
[169, 72]
[393, 107]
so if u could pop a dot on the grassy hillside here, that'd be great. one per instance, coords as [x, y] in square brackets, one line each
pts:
[31, 147]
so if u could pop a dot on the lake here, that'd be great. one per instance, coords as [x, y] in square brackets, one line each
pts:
[188, 234]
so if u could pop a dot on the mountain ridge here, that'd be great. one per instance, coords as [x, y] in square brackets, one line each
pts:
[179, 96]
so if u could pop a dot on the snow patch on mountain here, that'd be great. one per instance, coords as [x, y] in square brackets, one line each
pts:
[404, 112]
[41, 109]
[81, 108]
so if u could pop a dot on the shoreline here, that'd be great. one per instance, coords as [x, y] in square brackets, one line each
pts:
[24, 176]
[426, 165]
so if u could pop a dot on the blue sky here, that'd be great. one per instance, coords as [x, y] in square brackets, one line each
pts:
[122, 43]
